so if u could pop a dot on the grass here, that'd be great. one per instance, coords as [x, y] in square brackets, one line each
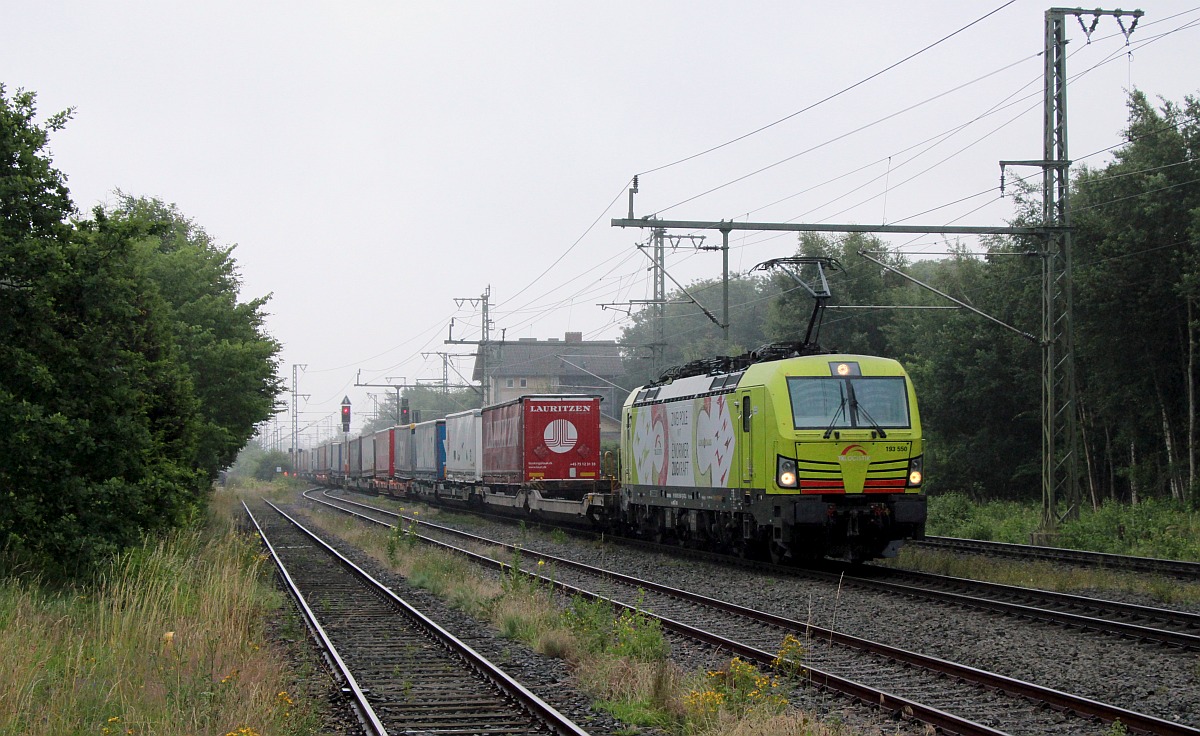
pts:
[1048, 576]
[172, 639]
[1150, 529]
[622, 659]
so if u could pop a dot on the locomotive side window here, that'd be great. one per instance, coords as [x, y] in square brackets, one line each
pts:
[819, 402]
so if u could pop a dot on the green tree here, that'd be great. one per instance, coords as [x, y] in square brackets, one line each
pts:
[258, 463]
[1138, 277]
[976, 382]
[689, 334]
[222, 343]
[100, 421]
[854, 283]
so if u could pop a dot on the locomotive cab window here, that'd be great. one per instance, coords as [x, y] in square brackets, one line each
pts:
[855, 402]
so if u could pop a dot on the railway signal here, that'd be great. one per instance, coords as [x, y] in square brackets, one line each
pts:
[346, 415]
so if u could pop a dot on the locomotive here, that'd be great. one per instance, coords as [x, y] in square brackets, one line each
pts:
[796, 457]
[781, 457]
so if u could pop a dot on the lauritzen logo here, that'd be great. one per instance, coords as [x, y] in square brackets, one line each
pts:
[560, 436]
[560, 408]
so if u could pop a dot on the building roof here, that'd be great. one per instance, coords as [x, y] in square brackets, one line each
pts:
[553, 357]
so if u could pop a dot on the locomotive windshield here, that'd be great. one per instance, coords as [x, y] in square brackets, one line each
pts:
[820, 402]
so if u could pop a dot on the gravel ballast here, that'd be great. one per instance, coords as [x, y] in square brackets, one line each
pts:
[1138, 677]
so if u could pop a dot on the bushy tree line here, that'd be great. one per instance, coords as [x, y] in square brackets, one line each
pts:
[1137, 275]
[130, 373]
[256, 462]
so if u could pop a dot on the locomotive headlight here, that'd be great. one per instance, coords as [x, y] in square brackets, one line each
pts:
[915, 474]
[785, 472]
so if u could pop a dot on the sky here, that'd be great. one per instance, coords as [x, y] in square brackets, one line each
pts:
[376, 164]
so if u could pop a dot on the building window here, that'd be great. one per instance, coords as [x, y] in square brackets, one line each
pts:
[524, 383]
[508, 383]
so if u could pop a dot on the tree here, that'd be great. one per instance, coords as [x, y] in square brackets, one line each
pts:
[977, 383]
[258, 463]
[854, 283]
[222, 342]
[131, 373]
[100, 420]
[34, 201]
[690, 334]
[1137, 276]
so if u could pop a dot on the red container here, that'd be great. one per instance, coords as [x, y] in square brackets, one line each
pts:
[547, 438]
[385, 457]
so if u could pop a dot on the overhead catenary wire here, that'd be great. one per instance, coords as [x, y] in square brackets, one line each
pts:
[622, 282]
[561, 302]
[1112, 56]
[940, 137]
[832, 96]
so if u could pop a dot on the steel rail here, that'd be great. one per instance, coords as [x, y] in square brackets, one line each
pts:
[362, 709]
[1133, 610]
[864, 693]
[1060, 700]
[1124, 629]
[1182, 568]
[534, 705]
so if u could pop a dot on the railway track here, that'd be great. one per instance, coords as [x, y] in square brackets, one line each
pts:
[403, 672]
[1148, 624]
[943, 694]
[1178, 568]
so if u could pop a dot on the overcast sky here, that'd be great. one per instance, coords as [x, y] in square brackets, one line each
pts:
[373, 161]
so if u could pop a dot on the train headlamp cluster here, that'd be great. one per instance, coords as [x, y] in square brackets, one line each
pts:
[915, 475]
[785, 472]
[845, 368]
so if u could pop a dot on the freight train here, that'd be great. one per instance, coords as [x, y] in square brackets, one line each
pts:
[773, 454]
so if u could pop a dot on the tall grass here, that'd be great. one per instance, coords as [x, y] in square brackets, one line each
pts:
[1152, 528]
[171, 639]
[956, 515]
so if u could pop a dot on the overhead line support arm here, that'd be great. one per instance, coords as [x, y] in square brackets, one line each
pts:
[726, 225]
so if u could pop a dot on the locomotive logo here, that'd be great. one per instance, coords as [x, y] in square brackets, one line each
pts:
[854, 461]
[560, 436]
[854, 453]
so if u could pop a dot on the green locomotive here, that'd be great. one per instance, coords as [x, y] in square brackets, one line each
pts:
[792, 457]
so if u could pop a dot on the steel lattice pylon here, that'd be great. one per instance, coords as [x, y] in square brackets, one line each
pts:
[1060, 431]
